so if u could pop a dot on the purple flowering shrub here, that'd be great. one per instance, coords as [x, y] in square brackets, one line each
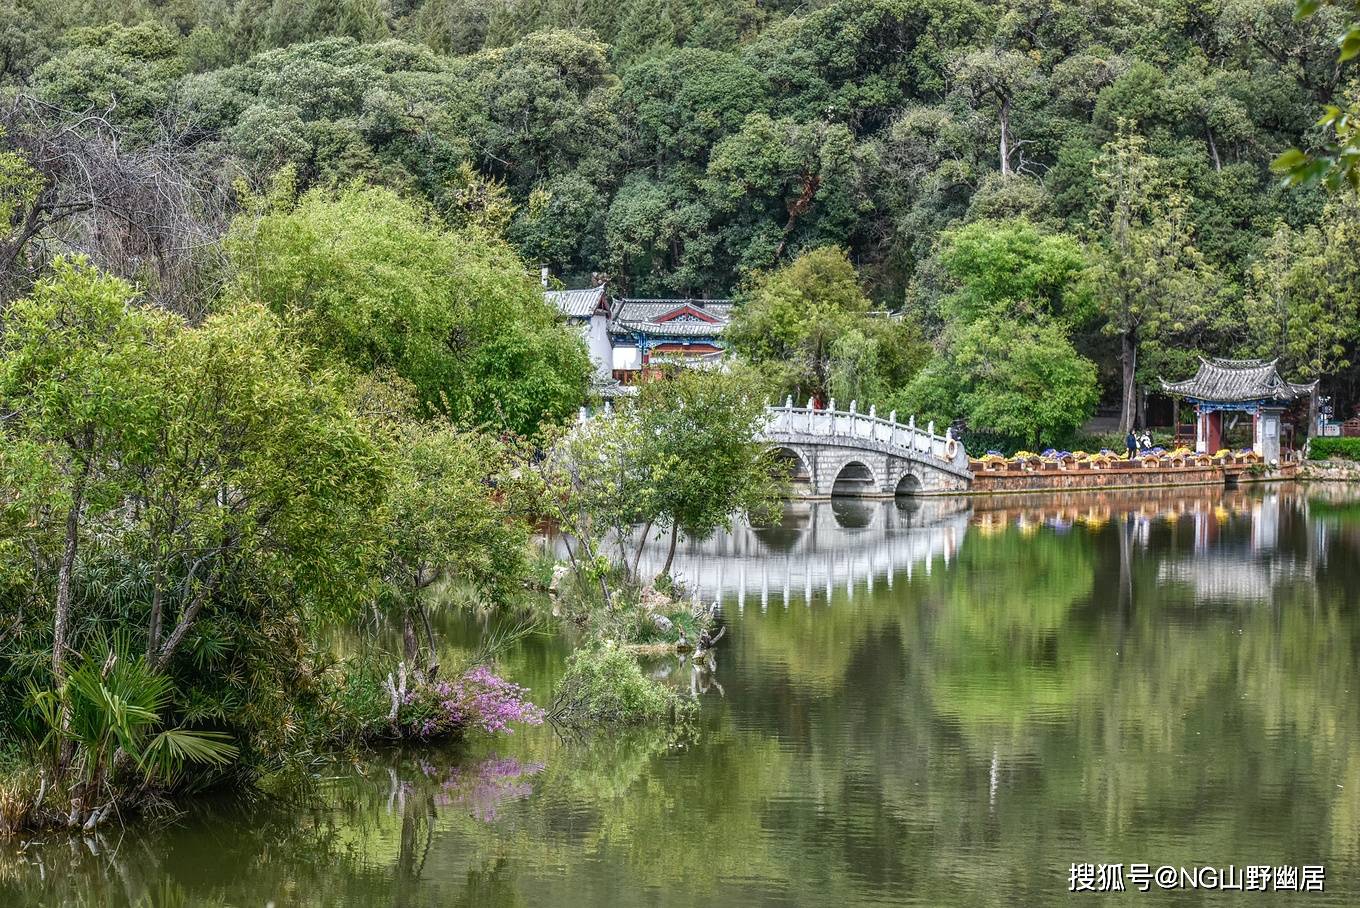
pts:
[479, 699]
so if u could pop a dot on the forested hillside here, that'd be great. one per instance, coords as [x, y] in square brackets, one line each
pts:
[683, 147]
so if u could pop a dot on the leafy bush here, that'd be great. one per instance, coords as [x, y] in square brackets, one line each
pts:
[1334, 449]
[606, 686]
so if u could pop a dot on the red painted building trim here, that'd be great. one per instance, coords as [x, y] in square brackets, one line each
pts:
[688, 310]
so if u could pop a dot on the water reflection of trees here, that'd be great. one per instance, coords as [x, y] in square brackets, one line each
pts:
[956, 738]
[1050, 696]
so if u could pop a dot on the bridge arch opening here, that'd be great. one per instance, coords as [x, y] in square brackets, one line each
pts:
[908, 485]
[789, 464]
[854, 480]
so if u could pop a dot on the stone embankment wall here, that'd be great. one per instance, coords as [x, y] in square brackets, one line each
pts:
[1117, 477]
[1330, 470]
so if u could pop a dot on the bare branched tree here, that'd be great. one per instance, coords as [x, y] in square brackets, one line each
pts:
[152, 212]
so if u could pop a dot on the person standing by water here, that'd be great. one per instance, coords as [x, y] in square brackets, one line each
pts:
[1131, 442]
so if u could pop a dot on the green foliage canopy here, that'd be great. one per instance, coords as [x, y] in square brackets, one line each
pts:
[380, 282]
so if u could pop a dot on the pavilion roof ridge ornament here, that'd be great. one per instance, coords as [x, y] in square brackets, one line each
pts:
[1228, 363]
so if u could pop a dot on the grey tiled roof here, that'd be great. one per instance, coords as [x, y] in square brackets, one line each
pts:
[639, 316]
[576, 303]
[677, 328]
[1237, 381]
[649, 310]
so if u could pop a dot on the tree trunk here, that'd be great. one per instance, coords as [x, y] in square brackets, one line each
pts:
[431, 657]
[1213, 149]
[62, 619]
[797, 208]
[1005, 146]
[670, 553]
[186, 621]
[409, 646]
[1129, 361]
[637, 556]
[153, 629]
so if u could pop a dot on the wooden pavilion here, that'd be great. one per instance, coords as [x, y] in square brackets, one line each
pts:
[1251, 386]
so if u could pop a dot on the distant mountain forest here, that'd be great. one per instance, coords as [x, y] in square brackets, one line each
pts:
[1110, 158]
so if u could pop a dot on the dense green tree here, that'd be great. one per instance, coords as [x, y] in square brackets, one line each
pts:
[778, 185]
[1150, 280]
[1303, 296]
[1013, 269]
[176, 515]
[381, 283]
[676, 106]
[1023, 383]
[857, 60]
[388, 113]
[791, 317]
[128, 71]
[684, 456]
[443, 515]
[76, 373]
[704, 428]
[542, 107]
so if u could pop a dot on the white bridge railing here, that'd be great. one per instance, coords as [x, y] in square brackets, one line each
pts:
[813, 423]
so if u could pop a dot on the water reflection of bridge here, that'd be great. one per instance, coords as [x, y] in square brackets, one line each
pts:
[816, 548]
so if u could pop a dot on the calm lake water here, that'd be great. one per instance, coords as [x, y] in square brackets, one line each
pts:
[947, 702]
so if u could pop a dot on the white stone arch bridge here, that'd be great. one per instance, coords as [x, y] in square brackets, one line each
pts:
[838, 453]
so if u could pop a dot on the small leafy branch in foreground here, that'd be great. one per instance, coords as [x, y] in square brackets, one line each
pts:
[1337, 161]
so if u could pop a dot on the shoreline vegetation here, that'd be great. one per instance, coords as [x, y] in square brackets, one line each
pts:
[190, 509]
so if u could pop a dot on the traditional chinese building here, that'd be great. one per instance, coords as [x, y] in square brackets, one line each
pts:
[627, 336]
[1249, 386]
